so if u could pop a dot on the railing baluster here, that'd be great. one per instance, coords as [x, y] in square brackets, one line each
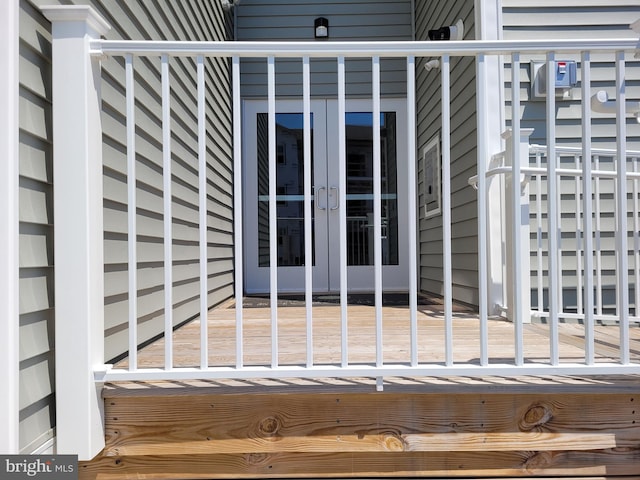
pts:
[587, 223]
[516, 281]
[578, 233]
[168, 216]
[552, 207]
[308, 202]
[446, 208]
[273, 209]
[202, 191]
[598, 237]
[237, 210]
[342, 211]
[621, 207]
[377, 207]
[413, 217]
[539, 249]
[636, 237]
[483, 156]
[132, 215]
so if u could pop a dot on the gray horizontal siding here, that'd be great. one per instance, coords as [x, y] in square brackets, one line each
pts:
[586, 19]
[37, 403]
[569, 19]
[188, 20]
[431, 15]
[289, 20]
[193, 20]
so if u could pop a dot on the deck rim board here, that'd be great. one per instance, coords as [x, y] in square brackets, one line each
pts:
[626, 384]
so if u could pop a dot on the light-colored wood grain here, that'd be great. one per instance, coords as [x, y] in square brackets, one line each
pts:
[457, 427]
[369, 423]
[570, 465]
[396, 340]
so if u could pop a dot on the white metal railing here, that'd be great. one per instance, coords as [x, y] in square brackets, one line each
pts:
[77, 114]
[583, 182]
[587, 239]
[375, 51]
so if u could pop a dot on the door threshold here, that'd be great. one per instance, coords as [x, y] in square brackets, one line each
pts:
[391, 299]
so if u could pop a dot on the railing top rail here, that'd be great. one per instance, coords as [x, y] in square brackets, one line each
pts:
[355, 49]
[564, 150]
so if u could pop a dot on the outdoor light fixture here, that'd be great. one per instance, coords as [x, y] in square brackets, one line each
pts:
[431, 64]
[321, 26]
[229, 4]
[452, 32]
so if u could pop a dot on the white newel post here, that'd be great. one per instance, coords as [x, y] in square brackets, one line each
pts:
[77, 171]
[491, 124]
[518, 271]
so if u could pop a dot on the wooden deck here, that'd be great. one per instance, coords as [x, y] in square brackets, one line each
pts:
[574, 428]
[396, 341]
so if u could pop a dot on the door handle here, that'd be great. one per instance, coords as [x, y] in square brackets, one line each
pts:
[318, 190]
[337, 204]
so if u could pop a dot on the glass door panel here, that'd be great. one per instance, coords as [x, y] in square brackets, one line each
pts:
[359, 195]
[290, 200]
[289, 188]
[360, 182]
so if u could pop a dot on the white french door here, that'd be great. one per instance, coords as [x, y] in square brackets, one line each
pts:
[326, 196]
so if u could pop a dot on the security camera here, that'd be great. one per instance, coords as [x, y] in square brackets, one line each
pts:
[452, 32]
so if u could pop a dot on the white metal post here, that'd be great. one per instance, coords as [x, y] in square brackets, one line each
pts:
[9, 300]
[518, 262]
[79, 299]
[491, 124]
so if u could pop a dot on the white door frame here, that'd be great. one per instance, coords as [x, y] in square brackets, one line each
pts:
[326, 271]
[290, 279]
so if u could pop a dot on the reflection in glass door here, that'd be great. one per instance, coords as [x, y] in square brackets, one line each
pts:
[360, 181]
[289, 187]
[290, 172]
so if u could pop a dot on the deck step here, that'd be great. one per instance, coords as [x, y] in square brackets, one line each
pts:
[489, 430]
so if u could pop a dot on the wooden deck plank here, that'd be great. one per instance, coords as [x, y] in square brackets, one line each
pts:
[569, 465]
[292, 342]
[587, 427]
